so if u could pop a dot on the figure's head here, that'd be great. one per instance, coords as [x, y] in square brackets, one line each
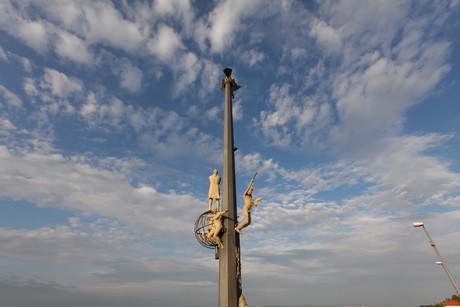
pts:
[215, 172]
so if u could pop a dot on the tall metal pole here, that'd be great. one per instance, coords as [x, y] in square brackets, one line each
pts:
[443, 263]
[229, 256]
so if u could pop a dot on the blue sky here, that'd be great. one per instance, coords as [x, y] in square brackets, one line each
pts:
[112, 120]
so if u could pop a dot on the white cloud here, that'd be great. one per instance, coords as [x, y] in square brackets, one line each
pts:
[10, 99]
[212, 113]
[27, 64]
[399, 174]
[224, 21]
[60, 84]
[364, 28]
[53, 94]
[72, 47]
[378, 74]
[377, 245]
[68, 14]
[74, 31]
[377, 97]
[34, 34]
[63, 244]
[29, 87]
[253, 57]
[209, 77]
[130, 77]
[181, 9]
[3, 55]
[6, 126]
[12, 58]
[285, 107]
[164, 133]
[45, 181]
[294, 118]
[298, 53]
[187, 66]
[327, 36]
[411, 177]
[187, 71]
[322, 232]
[165, 44]
[171, 7]
[146, 280]
[107, 25]
[237, 110]
[84, 24]
[108, 115]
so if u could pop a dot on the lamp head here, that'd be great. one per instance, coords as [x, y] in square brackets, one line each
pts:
[417, 224]
[228, 72]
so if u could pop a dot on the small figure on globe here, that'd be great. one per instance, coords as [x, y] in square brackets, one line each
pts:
[215, 227]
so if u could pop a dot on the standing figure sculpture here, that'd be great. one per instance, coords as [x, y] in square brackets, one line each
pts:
[215, 227]
[248, 205]
[214, 190]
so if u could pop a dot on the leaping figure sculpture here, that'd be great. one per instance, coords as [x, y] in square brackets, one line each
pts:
[248, 205]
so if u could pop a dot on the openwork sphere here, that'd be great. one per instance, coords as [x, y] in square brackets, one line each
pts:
[201, 228]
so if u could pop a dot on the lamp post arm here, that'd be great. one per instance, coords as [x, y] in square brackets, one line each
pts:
[444, 265]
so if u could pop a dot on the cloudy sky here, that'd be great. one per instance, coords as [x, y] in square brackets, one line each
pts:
[112, 120]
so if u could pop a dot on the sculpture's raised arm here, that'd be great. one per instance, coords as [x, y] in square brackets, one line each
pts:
[251, 183]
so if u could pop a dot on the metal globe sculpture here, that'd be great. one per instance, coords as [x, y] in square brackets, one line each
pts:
[201, 229]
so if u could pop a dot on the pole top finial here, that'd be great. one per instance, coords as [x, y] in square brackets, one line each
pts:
[228, 79]
[228, 72]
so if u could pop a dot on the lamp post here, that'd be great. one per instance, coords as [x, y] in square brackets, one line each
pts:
[441, 260]
[229, 258]
[208, 228]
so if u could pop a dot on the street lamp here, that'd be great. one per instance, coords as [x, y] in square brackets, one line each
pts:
[441, 260]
